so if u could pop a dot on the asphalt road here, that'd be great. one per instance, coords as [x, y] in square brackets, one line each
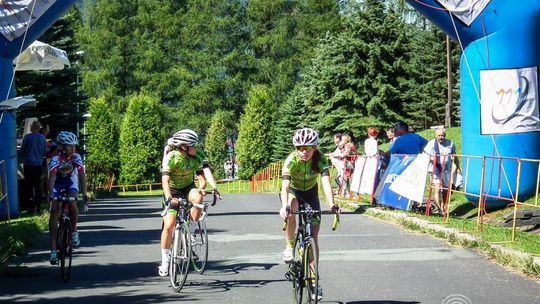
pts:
[364, 261]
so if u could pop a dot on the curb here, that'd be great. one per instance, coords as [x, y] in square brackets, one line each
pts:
[525, 262]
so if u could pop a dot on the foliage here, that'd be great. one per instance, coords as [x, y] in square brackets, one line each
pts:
[290, 116]
[140, 140]
[357, 77]
[255, 134]
[215, 142]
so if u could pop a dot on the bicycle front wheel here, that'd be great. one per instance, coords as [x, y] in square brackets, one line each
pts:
[199, 247]
[297, 271]
[310, 263]
[65, 250]
[180, 257]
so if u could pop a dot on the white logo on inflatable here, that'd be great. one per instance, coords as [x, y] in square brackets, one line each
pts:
[509, 101]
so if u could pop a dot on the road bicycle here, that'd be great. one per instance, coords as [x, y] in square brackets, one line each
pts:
[186, 248]
[303, 274]
[64, 241]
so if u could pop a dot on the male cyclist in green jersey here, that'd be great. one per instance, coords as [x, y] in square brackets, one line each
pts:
[299, 185]
[179, 166]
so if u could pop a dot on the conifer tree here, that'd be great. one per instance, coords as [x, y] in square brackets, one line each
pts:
[215, 142]
[255, 134]
[141, 140]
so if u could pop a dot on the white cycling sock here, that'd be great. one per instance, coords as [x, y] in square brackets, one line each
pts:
[165, 253]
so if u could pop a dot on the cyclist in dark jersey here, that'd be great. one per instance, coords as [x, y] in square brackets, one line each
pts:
[180, 163]
[299, 184]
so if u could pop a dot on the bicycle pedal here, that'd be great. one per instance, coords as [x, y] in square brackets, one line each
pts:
[288, 277]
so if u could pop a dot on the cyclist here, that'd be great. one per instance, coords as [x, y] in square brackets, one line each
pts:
[66, 171]
[299, 185]
[182, 161]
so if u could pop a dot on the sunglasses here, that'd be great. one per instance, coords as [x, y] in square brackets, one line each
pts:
[305, 148]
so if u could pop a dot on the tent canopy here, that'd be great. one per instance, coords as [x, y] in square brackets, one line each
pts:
[40, 56]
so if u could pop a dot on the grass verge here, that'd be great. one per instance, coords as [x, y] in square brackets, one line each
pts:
[19, 234]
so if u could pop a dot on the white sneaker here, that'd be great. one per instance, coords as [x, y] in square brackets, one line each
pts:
[75, 239]
[163, 270]
[53, 258]
[319, 294]
[288, 255]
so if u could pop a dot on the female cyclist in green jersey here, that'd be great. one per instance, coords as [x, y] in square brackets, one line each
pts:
[299, 185]
[179, 166]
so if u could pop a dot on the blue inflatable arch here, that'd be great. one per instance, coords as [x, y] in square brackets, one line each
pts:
[8, 51]
[499, 88]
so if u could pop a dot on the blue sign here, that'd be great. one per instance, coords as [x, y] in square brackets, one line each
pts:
[387, 197]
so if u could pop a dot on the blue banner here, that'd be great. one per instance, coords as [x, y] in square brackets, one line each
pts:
[387, 197]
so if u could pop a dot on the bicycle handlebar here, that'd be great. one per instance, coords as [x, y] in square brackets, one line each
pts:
[184, 202]
[310, 211]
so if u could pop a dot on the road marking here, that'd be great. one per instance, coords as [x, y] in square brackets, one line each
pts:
[365, 255]
[224, 238]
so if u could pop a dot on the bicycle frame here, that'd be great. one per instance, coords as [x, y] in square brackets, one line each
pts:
[303, 271]
[63, 237]
[183, 242]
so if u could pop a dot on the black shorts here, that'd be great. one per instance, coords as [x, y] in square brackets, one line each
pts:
[310, 197]
[182, 193]
[179, 193]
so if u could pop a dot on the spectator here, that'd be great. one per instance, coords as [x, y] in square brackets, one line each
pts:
[390, 134]
[337, 159]
[370, 144]
[406, 143]
[441, 150]
[347, 150]
[33, 149]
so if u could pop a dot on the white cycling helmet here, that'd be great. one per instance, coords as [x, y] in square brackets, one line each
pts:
[185, 137]
[305, 137]
[67, 138]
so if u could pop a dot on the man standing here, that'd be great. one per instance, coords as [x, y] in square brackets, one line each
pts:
[406, 143]
[33, 149]
[441, 151]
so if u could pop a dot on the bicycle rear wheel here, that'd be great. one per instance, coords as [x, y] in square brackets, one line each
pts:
[180, 257]
[66, 250]
[311, 272]
[199, 247]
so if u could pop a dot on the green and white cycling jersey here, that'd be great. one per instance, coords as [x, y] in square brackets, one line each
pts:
[181, 169]
[301, 174]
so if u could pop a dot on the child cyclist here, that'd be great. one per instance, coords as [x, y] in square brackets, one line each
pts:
[180, 163]
[66, 172]
[299, 185]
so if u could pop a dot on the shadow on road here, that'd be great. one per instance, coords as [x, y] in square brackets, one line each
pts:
[221, 268]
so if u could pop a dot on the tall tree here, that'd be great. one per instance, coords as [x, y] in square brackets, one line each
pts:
[140, 140]
[283, 35]
[215, 141]
[109, 44]
[291, 116]
[255, 134]
[428, 76]
[358, 77]
[102, 141]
